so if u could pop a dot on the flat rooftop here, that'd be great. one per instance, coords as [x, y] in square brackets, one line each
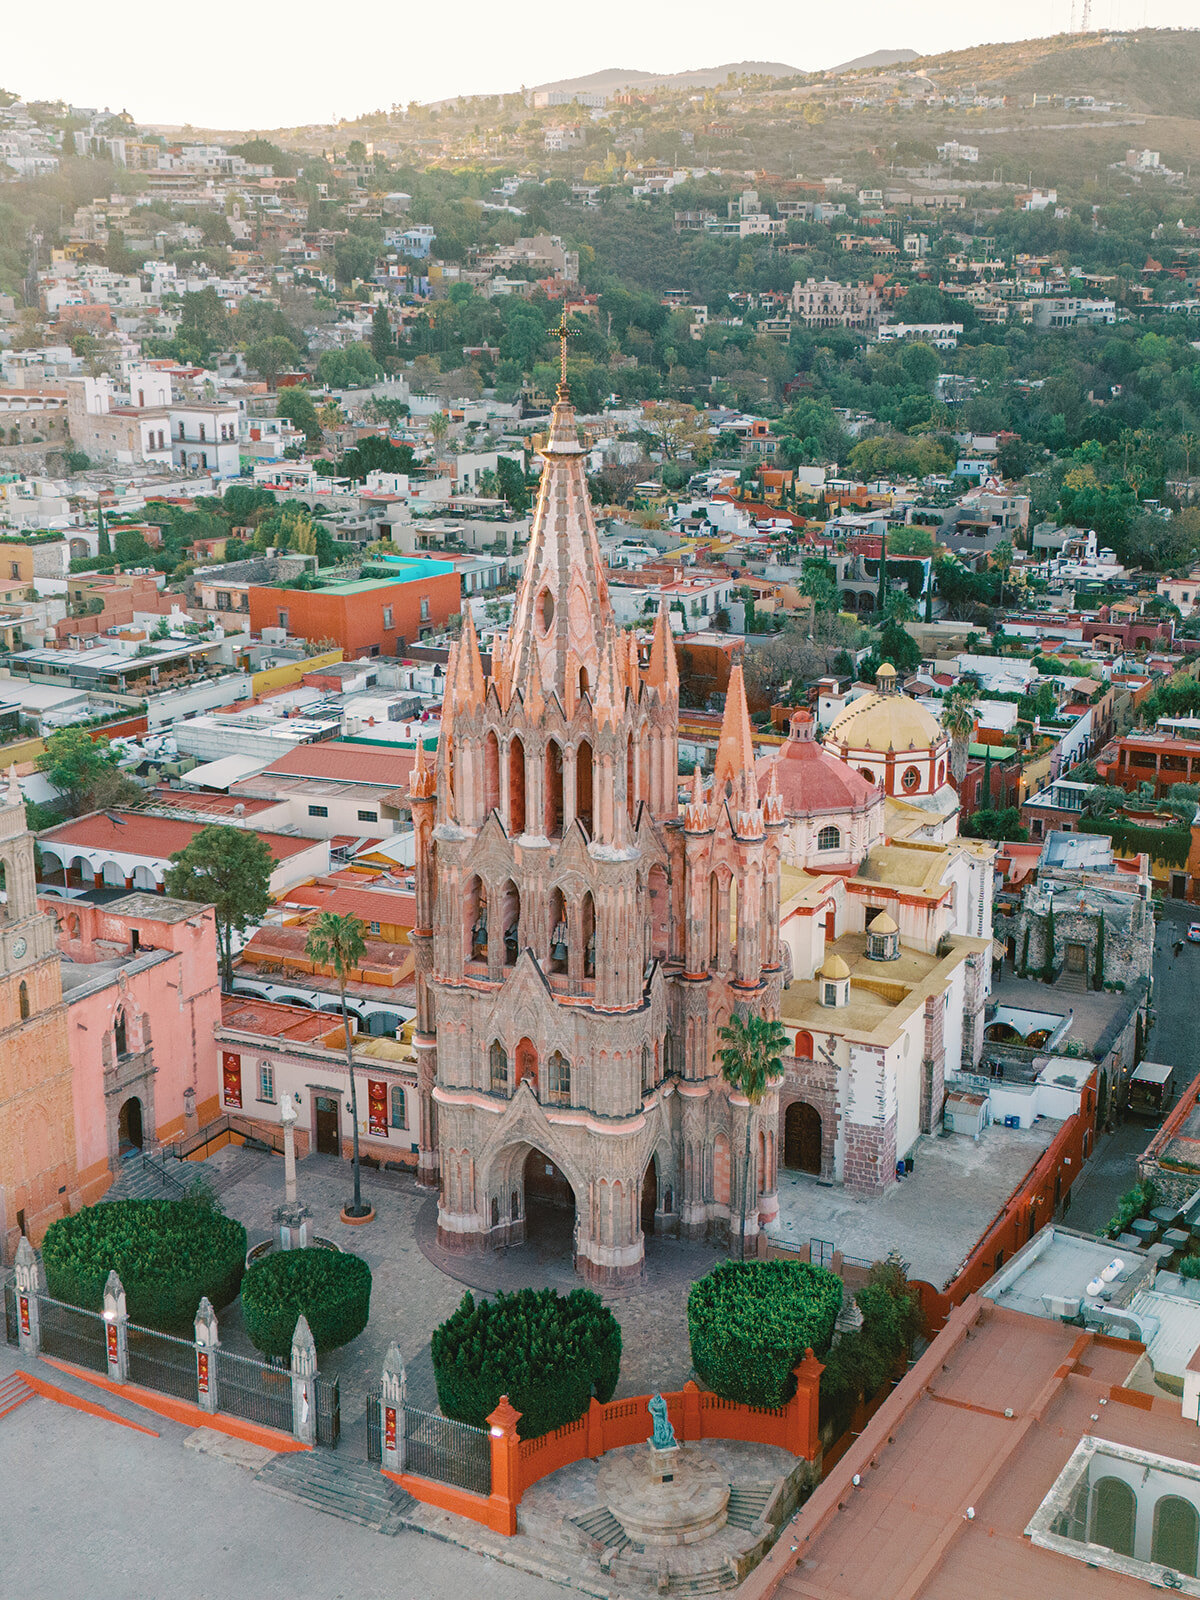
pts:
[935, 1217]
[986, 1421]
[882, 993]
[1058, 1261]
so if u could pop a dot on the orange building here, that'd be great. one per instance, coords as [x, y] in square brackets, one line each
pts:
[366, 616]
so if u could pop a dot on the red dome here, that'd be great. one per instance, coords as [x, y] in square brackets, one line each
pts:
[810, 778]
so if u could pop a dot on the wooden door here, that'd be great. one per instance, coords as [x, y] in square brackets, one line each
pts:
[1076, 958]
[329, 1139]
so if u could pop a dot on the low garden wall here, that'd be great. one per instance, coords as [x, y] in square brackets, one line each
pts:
[517, 1464]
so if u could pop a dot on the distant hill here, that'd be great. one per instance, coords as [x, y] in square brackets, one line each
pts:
[613, 79]
[1153, 70]
[878, 58]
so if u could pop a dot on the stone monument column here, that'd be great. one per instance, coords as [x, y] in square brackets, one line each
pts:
[116, 1329]
[304, 1388]
[392, 1397]
[29, 1286]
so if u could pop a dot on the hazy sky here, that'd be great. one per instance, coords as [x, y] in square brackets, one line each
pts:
[314, 61]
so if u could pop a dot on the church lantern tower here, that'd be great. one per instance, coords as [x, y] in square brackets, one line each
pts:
[556, 1037]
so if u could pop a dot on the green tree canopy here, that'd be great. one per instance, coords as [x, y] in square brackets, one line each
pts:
[230, 869]
[86, 772]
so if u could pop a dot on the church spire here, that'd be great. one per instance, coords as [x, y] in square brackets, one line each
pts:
[466, 674]
[662, 672]
[735, 749]
[562, 607]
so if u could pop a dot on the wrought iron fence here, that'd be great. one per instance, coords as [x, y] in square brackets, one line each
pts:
[11, 1331]
[252, 1391]
[163, 1362]
[73, 1334]
[329, 1411]
[450, 1452]
[820, 1252]
[374, 1426]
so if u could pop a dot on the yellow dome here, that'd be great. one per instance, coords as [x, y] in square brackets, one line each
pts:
[883, 722]
[834, 968]
[883, 924]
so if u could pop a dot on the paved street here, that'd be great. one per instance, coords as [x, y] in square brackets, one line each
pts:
[1175, 1037]
[159, 1519]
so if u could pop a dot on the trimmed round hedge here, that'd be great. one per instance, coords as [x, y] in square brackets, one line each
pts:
[168, 1255]
[548, 1354]
[331, 1288]
[750, 1322]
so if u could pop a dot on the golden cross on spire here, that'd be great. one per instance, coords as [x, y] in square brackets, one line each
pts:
[562, 333]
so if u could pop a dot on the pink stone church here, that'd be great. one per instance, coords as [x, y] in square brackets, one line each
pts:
[581, 937]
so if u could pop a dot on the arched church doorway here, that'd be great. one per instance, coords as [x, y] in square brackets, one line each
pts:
[802, 1138]
[129, 1126]
[649, 1197]
[549, 1206]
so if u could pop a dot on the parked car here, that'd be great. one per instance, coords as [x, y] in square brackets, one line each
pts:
[1194, 932]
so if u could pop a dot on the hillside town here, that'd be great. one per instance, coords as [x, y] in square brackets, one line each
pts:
[600, 829]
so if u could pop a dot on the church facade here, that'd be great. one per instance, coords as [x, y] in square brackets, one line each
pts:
[580, 940]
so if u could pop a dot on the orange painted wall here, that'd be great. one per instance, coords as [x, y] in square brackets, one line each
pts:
[356, 621]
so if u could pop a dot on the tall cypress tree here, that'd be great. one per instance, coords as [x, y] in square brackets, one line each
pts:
[883, 584]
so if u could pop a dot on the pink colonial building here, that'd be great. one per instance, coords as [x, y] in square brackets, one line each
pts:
[141, 984]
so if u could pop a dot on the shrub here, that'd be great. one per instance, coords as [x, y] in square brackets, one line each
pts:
[861, 1362]
[750, 1322]
[331, 1288]
[168, 1255]
[1189, 1267]
[548, 1354]
[1134, 1203]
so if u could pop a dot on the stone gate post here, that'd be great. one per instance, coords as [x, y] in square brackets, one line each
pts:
[207, 1342]
[29, 1286]
[393, 1395]
[304, 1389]
[116, 1329]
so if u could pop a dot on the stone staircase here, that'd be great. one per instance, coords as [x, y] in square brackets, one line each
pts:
[353, 1490]
[748, 1504]
[1072, 982]
[156, 1177]
[14, 1391]
[604, 1531]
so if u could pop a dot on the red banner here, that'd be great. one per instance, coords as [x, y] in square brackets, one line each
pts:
[389, 1427]
[112, 1346]
[377, 1108]
[231, 1079]
[202, 1370]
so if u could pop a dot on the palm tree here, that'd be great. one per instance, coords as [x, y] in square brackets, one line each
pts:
[1002, 560]
[958, 719]
[439, 427]
[337, 942]
[750, 1057]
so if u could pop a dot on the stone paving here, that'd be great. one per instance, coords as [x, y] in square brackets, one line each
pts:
[106, 1513]
[935, 1217]
[416, 1285]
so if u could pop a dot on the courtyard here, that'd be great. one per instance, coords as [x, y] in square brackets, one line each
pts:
[416, 1284]
[934, 1217]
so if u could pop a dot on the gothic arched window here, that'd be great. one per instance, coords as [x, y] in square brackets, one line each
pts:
[558, 1079]
[119, 1034]
[498, 1058]
[23, 999]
